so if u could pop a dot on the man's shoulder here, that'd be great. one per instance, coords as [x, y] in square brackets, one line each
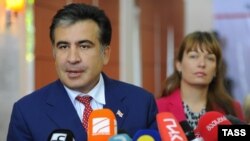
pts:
[111, 82]
[40, 93]
[128, 87]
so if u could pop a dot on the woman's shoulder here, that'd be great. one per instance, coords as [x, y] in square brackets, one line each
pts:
[174, 94]
[172, 103]
[236, 103]
[238, 109]
[172, 97]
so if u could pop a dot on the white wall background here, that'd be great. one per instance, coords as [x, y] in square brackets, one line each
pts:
[232, 22]
[16, 75]
[10, 67]
[198, 15]
[130, 52]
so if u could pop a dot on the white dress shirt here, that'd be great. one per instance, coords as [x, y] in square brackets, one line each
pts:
[97, 93]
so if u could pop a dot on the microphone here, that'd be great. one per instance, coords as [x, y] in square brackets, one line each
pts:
[208, 125]
[147, 135]
[169, 127]
[234, 120]
[120, 137]
[101, 125]
[61, 135]
[187, 130]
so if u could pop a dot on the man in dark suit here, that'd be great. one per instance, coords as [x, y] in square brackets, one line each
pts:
[80, 36]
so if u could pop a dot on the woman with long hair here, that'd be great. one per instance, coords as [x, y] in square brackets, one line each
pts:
[196, 85]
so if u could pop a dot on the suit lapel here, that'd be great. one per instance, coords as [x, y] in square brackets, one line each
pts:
[115, 104]
[114, 100]
[175, 105]
[62, 112]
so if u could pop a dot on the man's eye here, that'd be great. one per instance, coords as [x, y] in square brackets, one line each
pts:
[85, 46]
[62, 46]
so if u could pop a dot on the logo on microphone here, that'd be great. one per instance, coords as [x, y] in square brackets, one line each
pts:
[169, 127]
[58, 137]
[172, 126]
[101, 126]
[216, 122]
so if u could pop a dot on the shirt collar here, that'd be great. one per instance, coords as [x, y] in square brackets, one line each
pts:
[97, 93]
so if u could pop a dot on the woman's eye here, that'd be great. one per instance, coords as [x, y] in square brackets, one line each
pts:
[211, 58]
[193, 56]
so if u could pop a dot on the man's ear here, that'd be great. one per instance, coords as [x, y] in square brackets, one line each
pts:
[106, 54]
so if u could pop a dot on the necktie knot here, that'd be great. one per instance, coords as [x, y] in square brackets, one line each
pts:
[85, 100]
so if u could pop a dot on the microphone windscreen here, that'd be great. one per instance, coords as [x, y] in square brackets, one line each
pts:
[61, 135]
[122, 131]
[234, 120]
[187, 130]
[147, 135]
[169, 127]
[208, 125]
[120, 137]
[101, 125]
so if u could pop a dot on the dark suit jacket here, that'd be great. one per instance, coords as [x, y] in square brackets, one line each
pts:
[36, 115]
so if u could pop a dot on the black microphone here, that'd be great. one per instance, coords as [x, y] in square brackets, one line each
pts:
[234, 120]
[187, 130]
[61, 135]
